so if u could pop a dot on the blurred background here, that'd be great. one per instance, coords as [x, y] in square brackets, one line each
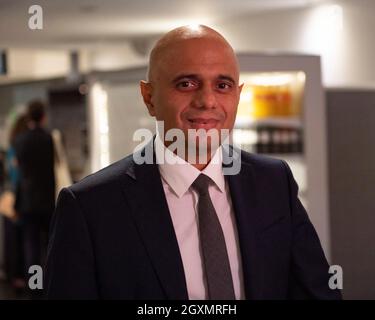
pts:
[309, 98]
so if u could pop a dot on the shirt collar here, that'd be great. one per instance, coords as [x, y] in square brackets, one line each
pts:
[181, 174]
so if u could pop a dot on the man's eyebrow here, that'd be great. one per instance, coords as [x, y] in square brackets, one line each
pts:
[185, 76]
[227, 78]
[195, 76]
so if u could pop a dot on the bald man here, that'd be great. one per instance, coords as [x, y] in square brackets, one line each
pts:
[180, 226]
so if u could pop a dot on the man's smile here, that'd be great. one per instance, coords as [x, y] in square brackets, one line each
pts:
[202, 123]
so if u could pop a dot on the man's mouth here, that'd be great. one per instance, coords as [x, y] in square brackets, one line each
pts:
[202, 123]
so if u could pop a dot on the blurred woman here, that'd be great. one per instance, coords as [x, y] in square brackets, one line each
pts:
[14, 264]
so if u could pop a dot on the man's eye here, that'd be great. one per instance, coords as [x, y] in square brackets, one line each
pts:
[185, 84]
[223, 85]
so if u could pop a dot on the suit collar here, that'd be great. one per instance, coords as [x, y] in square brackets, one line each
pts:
[180, 175]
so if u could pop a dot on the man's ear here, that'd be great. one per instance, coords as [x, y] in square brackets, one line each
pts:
[146, 91]
[240, 87]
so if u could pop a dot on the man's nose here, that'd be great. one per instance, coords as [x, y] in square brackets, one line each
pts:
[205, 98]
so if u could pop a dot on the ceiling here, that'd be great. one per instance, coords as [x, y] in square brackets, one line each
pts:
[84, 22]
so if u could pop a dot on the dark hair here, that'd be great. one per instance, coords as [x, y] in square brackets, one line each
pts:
[19, 126]
[36, 111]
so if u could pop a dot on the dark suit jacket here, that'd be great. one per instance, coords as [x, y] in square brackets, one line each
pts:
[113, 237]
[35, 156]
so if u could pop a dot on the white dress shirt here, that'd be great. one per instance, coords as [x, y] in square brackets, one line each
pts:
[182, 202]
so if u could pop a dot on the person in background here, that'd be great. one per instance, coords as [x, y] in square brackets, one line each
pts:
[2, 169]
[36, 197]
[13, 253]
[19, 127]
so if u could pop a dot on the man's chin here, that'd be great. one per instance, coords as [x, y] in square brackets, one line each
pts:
[203, 145]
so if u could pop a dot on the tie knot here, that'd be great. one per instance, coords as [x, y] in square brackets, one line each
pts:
[201, 184]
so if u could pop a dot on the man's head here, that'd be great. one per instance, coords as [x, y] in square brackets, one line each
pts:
[193, 80]
[36, 112]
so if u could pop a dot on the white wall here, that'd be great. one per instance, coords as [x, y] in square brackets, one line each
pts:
[35, 63]
[116, 111]
[347, 46]
[113, 57]
[126, 114]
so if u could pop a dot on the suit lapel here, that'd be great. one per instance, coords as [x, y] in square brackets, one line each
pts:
[244, 199]
[150, 211]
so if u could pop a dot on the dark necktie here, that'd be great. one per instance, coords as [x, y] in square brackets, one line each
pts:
[215, 256]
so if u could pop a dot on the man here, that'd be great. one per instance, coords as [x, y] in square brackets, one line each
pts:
[35, 198]
[185, 231]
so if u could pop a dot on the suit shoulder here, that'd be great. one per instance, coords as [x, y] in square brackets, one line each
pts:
[266, 168]
[105, 177]
[261, 161]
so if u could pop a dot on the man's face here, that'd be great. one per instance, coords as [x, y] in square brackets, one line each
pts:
[194, 86]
